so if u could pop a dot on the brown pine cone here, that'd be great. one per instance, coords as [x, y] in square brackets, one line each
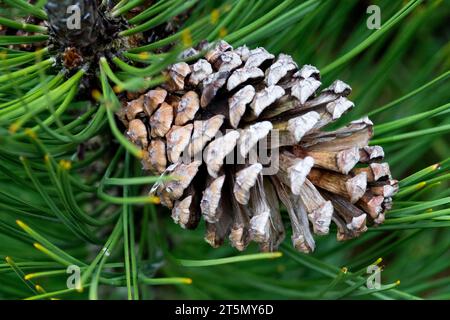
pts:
[239, 131]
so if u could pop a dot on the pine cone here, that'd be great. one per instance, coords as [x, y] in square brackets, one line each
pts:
[221, 108]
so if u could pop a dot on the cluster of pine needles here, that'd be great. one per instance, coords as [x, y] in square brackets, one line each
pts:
[72, 192]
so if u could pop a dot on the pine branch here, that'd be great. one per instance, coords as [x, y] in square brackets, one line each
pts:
[62, 154]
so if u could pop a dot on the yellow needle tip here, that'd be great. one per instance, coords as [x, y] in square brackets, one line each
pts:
[39, 289]
[277, 254]
[65, 164]
[155, 200]
[30, 133]
[38, 246]
[96, 95]
[21, 224]
[13, 128]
